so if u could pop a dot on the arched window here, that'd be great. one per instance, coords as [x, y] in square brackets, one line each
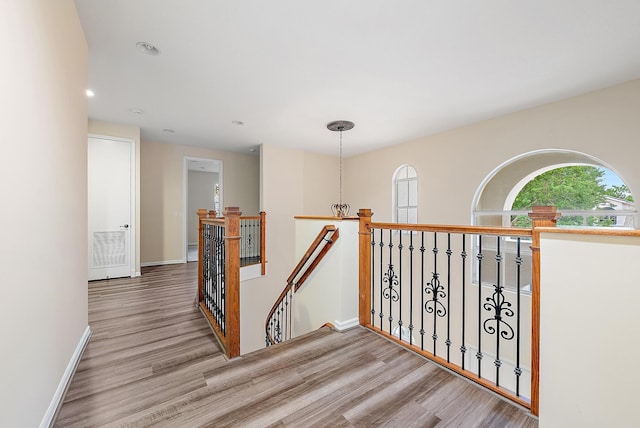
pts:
[405, 195]
[587, 192]
[584, 188]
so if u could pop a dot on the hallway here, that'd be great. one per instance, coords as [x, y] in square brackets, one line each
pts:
[152, 361]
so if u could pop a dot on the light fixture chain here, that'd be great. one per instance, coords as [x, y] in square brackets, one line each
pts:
[340, 209]
[341, 167]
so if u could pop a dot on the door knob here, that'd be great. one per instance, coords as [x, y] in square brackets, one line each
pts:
[125, 226]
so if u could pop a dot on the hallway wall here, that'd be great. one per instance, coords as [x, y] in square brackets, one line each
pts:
[43, 184]
[162, 194]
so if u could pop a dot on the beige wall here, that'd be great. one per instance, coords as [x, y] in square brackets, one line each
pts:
[321, 184]
[43, 183]
[589, 331]
[281, 195]
[131, 133]
[452, 165]
[162, 194]
[292, 182]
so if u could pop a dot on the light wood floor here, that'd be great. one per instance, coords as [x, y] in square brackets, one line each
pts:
[152, 362]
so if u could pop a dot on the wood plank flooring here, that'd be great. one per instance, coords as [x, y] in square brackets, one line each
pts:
[152, 361]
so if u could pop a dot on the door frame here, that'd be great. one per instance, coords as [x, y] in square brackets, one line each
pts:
[132, 179]
[185, 197]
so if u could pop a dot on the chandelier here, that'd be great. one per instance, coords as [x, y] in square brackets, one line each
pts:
[341, 209]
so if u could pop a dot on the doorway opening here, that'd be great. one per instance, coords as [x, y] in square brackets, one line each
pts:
[202, 189]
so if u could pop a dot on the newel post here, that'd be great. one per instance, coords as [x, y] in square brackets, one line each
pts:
[232, 280]
[364, 284]
[202, 214]
[541, 216]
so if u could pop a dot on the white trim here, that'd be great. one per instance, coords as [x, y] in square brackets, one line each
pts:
[58, 397]
[250, 272]
[345, 325]
[185, 194]
[163, 262]
[132, 202]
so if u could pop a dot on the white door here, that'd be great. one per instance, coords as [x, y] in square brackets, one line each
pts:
[109, 195]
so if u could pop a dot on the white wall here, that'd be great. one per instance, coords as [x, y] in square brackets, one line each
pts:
[590, 325]
[43, 185]
[330, 294]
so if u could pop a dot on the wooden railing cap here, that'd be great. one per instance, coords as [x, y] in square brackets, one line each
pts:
[232, 211]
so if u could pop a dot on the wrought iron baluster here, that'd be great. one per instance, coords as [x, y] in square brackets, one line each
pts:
[278, 327]
[391, 279]
[479, 352]
[501, 308]
[518, 370]
[381, 315]
[373, 277]
[463, 256]
[422, 248]
[400, 285]
[411, 288]
[435, 291]
[222, 280]
[290, 303]
[216, 266]
[448, 341]
[243, 238]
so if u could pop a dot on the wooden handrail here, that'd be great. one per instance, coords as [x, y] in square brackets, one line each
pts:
[312, 248]
[484, 230]
[304, 269]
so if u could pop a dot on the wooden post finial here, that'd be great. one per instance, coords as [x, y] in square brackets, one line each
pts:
[544, 215]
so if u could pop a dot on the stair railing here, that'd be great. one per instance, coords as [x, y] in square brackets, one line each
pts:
[465, 297]
[279, 323]
[219, 275]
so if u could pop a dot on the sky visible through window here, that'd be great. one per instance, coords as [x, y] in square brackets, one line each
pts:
[610, 178]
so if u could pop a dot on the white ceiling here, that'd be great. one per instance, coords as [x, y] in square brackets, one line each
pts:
[398, 69]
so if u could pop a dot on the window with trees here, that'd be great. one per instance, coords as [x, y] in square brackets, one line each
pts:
[405, 195]
[582, 193]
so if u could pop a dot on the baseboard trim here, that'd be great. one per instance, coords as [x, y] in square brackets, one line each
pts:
[345, 325]
[54, 407]
[164, 262]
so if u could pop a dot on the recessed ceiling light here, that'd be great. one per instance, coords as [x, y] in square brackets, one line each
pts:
[171, 131]
[147, 48]
[237, 122]
[136, 110]
[90, 93]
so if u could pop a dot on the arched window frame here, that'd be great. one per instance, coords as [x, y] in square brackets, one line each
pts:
[404, 192]
[497, 211]
[552, 159]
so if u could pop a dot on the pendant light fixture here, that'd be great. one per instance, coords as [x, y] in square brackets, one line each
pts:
[341, 209]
